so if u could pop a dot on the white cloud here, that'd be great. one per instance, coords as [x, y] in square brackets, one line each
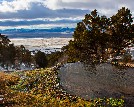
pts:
[24, 11]
[69, 1]
[15, 5]
[53, 4]
[39, 23]
[43, 19]
[106, 7]
[40, 26]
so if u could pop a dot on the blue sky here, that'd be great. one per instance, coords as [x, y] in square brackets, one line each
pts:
[54, 13]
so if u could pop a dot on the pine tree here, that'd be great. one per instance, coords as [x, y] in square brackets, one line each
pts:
[97, 37]
[121, 30]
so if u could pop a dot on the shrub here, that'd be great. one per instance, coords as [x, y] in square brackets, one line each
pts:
[41, 88]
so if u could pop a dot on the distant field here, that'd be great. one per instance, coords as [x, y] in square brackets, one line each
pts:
[46, 45]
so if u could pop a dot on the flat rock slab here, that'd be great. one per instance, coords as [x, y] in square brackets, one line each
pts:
[105, 81]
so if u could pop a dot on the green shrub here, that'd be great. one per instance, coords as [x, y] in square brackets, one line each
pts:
[41, 88]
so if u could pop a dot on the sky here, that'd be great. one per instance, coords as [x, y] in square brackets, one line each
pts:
[40, 14]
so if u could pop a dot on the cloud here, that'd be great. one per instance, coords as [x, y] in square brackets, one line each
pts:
[79, 4]
[22, 22]
[105, 7]
[40, 26]
[43, 13]
[39, 11]
[16, 5]
[39, 23]
[37, 15]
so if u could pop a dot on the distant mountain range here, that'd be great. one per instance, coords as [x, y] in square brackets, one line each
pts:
[22, 30]
[38, 33]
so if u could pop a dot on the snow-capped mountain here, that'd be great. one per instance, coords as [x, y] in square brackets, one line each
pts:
[38, 33]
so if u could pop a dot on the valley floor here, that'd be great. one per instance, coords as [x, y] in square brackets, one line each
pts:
[46, 45]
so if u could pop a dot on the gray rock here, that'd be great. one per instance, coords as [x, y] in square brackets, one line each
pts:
[105, 81]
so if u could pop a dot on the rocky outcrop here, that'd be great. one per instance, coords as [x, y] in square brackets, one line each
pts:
[105, 81]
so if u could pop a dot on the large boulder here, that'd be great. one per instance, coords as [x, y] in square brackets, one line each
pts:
[105, 81]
